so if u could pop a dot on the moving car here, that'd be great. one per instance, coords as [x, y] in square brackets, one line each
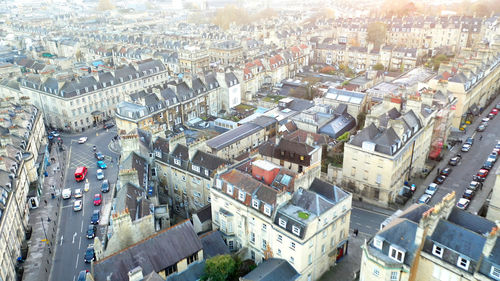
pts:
[463, 203]
[91, 231]
[108, 125]
[446, 171]
[82, 140]
[66, 193]
[455, 160]
[89, 254]
[98, 155]
[105, 186]
[431, 189]
[77, 205]
[100, 174]
[80, 173]
[466, 147]
[468, 194]
[424, 199]
[95, 217]
[78, 193]
[97, 199]
[101, 165]
[440, 179]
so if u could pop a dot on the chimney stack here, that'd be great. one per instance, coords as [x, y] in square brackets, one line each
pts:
[135, 274]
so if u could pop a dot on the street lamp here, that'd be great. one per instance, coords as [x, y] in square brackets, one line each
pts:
[45, 234]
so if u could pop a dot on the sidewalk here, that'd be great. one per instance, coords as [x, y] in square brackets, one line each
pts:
[347, 269]
[44, 221]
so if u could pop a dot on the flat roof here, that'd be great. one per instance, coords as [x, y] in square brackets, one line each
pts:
[232, 136]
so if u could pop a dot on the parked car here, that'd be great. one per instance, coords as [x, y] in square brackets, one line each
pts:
[490, 116]
[488, 165]
[469, 140]
[97, 199]
[493, 157]
[494, 111]
[404, 195]
[95, 217]
[66, 193]
[82, 140]
[485, 119]
[101, 165]
[497, 106]
[108, 125]
[424, 199]
[98, 155]
[469, 194]
[91, 231]
[89, 254]
[475, 185]
[481, 128]
[100, 174]
[440, 179]
[466, 147]
[497, 148]
[482, 174]
[105, 186]
[455, 160]
[463, 203]
[431, 189]
[485, 124]
[77, 205]
[446, 171]
[78, 193]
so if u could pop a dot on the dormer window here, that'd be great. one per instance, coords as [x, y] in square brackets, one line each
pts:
[177, 161]
[396, 254]
[267, 210]
[255, 203]
[378, 243]
[241, 195]
[195, 168]
[495, 272]
[206, 172]
[463, 263]
[218, 183]
[437, 251]
[229, 189]
[296, 230]
[282, 222]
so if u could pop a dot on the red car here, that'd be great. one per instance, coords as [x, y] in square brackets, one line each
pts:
[482, 173]
[494, 111]
[97, 199]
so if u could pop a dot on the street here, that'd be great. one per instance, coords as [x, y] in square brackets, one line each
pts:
[71, 241]
[471, 162]
[366, 221]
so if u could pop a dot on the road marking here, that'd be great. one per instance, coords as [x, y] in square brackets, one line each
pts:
[370, 211]
[80, 243]
[77, 257]
[81, 228]
[74, 235]
[74, 278]
[62, 237]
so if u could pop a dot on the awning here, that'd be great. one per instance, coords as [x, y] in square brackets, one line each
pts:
[97, 112]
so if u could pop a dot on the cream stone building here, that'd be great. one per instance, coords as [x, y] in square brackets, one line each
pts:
[391, 149]
[77, 103]
[493, 213]
[473, 78]
[21, 137]
[426, 243]
[261, 216]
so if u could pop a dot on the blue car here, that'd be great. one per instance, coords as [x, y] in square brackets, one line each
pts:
[101, 165]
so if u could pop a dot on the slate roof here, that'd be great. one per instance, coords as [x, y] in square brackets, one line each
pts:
[288, 150]
[223, 140]
[272, 269]
[338, 126]
[205, 213]
[138, 163]
[155, 253]
[194, 272]
[401, 234]
[127, 197]
[213, 244]
[206, 162]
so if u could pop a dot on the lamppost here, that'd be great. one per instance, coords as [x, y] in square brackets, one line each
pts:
[45, 233]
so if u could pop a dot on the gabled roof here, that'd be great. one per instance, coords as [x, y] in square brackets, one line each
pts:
[155, 253]
[213, 244]
[272, 269]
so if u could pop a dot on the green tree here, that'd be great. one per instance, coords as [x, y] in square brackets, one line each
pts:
[437, 60]
[219, 268]
[378, 66]
[376, 32]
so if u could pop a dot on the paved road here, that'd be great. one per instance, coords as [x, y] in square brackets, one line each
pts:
[71, 240]
[472, 161]
[366, 221]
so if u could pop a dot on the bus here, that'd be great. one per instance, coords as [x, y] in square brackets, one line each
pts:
[80, 173]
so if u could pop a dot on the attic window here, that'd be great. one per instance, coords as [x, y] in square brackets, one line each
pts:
[437, 251]
[301, 157]
[396, 254]
[206, 172]
[267, 209]
[495, 272]
[218, 183]
[463, 263]
[229, 189]
[282, 222]
[195, 168]
[296, 230]
[104, 84]
[241, 195]
[177, 161]
[255, 203]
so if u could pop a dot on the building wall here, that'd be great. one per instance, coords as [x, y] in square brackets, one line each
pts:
[493, 213]
[373, 268]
